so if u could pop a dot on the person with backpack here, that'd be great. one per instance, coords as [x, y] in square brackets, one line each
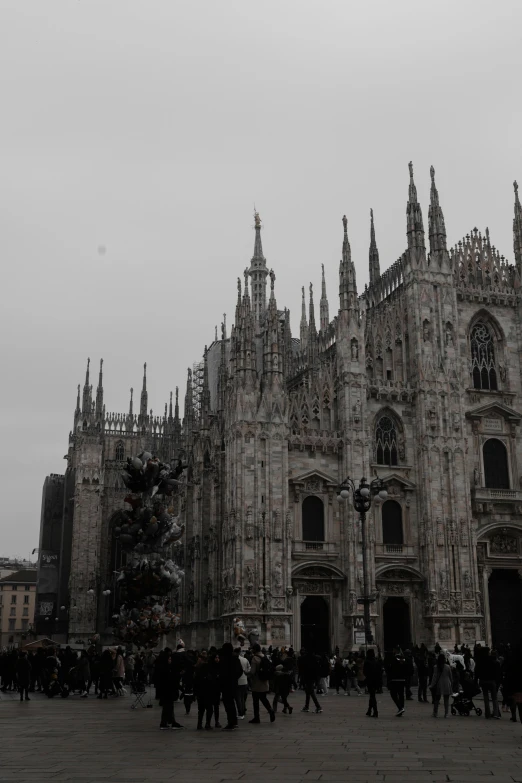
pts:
[204, 688]
[230, 670]
[373, 678]
[309, 671]
[260, 673]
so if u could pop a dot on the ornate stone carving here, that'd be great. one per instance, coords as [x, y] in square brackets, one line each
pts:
[444, 634]
[190, 596]
[453, 536]
[250, 579]
[289, 594]
[503, 544]
[430, 604]
[249, 524]
[289, 525]
[443, 583]
[208, 590]
[463, 532]
[314, 485]
[278, 576]
[468, 607]
[249, 602]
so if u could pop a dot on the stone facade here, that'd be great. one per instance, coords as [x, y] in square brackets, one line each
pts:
[416, 381]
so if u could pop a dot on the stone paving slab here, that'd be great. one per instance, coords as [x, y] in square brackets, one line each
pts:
[91, 741]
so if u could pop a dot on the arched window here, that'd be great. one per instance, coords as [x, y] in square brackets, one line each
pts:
[386, 442]
[392, 523]
[313, 519]
[496, 473]
[483, 368]
[120, 451]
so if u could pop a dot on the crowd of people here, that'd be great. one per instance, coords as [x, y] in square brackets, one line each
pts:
[224, 679]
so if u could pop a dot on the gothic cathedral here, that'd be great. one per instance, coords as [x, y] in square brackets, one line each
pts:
[416, 380]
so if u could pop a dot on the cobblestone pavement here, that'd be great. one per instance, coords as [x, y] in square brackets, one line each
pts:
[86, 740]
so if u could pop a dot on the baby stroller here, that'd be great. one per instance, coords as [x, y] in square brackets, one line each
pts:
[463, 701]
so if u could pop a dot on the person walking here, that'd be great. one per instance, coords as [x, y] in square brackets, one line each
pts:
[242, 685]
[308, 667]
[441, 684]
[259, 679]
[23, 675]
[204, 690]
[489, 676]
[282, 684]
[230, 670]
[373, 677]
[421, 662]
[167, 687]
[396, 679]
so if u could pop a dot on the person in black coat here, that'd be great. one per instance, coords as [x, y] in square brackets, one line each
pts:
[167, 679]
[396, 678]
[309, 670]
[23, 675]
[373, 676]
[421, 662]
[230, 670]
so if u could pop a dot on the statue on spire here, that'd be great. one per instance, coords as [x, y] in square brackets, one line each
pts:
[257, 219]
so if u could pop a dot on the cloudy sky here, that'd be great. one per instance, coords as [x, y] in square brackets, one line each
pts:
[136, 137]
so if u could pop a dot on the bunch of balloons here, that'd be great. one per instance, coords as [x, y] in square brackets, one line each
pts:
[147, 531]
[239, 630]
[148, 577]
[146, 473]
[146, 528]
[143, 625]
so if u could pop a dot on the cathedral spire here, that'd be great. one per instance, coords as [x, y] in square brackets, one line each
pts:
[311, 310]
[323, 305]
[170, 408]
[176, 405]
[188, 419]
[99, 391]
[414, 222]
[205, 393]
[131, 404]
[144, 395]
[437, 228]
[304, 324]
[517, 229]
[375, 269]
[258, 272]
[347, 280]
[86, 402]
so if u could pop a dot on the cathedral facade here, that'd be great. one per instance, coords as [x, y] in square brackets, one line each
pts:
[416, 380]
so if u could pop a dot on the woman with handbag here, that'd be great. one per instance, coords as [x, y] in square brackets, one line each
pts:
[441, 685]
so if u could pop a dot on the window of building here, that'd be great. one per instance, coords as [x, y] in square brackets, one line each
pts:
[13, 611]
[25, 625]
[25, 611]
[483, 368]
[14, 587]
[28, 587]
[386, 442]
[496, 472]
[13, 599]
[313, 519]
[12, 624]
[392, 534]
[26, 599]
[120, 451]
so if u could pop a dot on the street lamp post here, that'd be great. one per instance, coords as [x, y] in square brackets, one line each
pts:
[362, 497]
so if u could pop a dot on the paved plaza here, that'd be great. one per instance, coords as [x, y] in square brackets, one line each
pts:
[90, 740]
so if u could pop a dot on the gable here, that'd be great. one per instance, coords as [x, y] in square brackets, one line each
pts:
[314, 477]
[494, 410]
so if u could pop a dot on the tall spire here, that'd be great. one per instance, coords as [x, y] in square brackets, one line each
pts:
[99, 391]
[205, 393]
[414, 223]
[375, 269]
[304, 324]
[323, 305]
[258, 272]
[144, 395]
[86, 402]
[437, 228]
[188, 419]
[176, 405]
[517, 229]
[131, 404]
[347, 280]
[311, 309]
[170, 408]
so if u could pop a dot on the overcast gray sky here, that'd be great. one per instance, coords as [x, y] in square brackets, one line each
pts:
[149, 128]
